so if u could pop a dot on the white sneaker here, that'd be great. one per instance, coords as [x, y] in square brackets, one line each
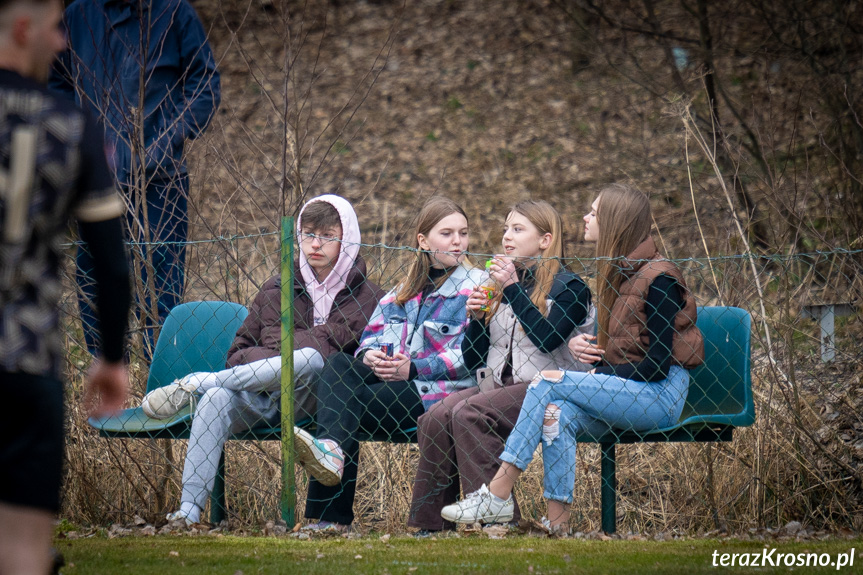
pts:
[167, 401]
[480, 507]
[322, 459]
[179, 516]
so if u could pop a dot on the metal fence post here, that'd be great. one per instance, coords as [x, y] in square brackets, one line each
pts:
[608, 488]
[289, 489]
[826, 314]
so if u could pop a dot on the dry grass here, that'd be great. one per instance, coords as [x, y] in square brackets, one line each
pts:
[801, 460]
[388, 104]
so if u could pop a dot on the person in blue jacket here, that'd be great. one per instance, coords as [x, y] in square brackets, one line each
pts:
[145, 130]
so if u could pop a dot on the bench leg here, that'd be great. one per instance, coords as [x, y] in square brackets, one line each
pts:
[217, 497]
[608, 489]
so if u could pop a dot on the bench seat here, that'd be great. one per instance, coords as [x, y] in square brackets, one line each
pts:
[196, 337]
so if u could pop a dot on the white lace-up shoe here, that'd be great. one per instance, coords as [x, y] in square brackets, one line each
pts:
[167, 401]
[323, 459]
[480, 507]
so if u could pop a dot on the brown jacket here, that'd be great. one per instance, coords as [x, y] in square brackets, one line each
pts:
[260, 335]
[627, 328]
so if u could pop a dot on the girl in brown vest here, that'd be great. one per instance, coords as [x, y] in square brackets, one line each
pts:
[647, 341]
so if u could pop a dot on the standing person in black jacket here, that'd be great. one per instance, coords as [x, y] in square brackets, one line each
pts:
[53, 169]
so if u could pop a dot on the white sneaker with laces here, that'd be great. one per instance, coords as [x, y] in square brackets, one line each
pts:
[480, 507]
[167, 401]
[322, 459]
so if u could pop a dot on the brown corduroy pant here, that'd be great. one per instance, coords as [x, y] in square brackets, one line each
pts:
[461, 437]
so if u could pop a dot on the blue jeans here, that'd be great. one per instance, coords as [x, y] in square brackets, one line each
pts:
[589, 404]
[167, 200]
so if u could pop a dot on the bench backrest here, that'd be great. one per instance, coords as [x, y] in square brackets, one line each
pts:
[720, 390]
[196, 336]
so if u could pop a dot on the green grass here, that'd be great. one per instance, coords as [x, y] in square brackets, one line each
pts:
[523, 555]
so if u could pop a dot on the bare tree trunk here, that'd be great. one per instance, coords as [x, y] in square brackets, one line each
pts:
[756, 224]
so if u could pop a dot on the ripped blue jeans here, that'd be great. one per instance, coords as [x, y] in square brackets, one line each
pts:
[589, 404]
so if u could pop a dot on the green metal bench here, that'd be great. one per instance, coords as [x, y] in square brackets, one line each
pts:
[196, 337]
[719, 399]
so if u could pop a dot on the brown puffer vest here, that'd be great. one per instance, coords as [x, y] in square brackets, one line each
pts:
[627, 327]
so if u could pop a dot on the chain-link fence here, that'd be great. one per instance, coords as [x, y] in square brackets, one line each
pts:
[369, 100]
[802, 458]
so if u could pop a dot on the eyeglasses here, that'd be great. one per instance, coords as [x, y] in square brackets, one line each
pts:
[309, 237]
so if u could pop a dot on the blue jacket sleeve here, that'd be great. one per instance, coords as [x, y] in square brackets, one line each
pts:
[202, 85]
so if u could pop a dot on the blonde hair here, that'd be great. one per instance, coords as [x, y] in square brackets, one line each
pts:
[547, 221]
[623, 216]
[432, 212]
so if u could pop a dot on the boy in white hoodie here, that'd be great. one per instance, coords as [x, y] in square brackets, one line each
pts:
[332, 303]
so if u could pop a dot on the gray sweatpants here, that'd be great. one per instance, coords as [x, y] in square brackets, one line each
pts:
[237, 399]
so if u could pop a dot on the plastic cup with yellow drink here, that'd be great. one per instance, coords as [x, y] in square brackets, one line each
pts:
[489, 288]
